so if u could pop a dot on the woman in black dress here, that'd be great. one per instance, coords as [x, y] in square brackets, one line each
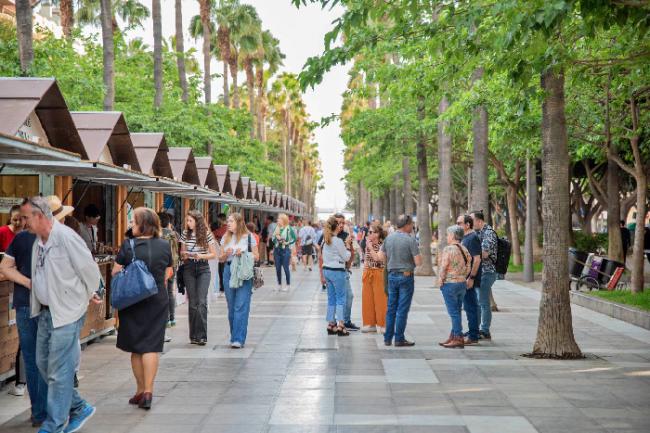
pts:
[142, 325]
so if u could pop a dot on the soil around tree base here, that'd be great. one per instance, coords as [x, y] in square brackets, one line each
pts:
[564, 357]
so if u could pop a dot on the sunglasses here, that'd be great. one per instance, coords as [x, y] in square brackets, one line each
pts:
[29, 201]
[371, 232]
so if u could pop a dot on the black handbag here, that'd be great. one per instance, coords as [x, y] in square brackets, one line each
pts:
[258, 276]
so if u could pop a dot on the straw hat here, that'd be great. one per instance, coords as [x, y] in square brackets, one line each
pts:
[58, 210]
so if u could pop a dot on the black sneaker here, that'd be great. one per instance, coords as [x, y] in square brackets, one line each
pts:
[404, 343]
[484, 336]
[351, 326]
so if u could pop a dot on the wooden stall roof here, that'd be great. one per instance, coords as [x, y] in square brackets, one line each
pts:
[184, 165]
[254, 191]
[246, 187]
[207, 174]
[267, 194]
[103, 131]
[236, 185]
[223, 178]
[261, 193]
[151, 150]
[20, 97]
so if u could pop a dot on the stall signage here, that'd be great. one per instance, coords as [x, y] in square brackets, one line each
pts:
[7, 202]
[33, 131]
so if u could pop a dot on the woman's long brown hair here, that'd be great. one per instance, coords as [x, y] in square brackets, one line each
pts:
[329, 229]
[240, 231]
[200, 228]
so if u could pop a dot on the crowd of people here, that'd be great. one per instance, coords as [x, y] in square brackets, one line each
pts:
[48, 255]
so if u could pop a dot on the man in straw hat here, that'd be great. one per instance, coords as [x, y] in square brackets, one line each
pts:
[65, 278]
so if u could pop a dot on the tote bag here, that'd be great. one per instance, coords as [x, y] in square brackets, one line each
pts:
[132, 284]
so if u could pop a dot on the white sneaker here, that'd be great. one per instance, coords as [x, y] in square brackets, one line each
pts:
[279, 288]
[220, 295]
[381, 330]
[167, 338]
[236, 345]
[17, 390]
[367, 329]
[286, 288]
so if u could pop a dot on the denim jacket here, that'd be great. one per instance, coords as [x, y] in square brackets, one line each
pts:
[71, 274]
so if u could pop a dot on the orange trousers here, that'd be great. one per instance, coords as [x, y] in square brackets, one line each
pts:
[373, 299]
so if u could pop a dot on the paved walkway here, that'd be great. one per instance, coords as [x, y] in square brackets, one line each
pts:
[292, 377]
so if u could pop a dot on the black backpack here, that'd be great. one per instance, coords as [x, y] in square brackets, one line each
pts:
[504, 249]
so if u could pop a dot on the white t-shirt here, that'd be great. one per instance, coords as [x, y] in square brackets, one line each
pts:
[242, 244]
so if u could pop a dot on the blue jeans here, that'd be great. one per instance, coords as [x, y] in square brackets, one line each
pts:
[400, 295]
[484, 290]
[470, 304]
[336, 294]
[282, 258]
[27, 332]
[57, 357]
[239, 307]
[349, 296]
[453, 293]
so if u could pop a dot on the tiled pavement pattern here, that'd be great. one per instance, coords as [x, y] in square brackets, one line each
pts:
[292, 377]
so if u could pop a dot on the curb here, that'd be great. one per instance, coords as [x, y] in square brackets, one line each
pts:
[625, 313]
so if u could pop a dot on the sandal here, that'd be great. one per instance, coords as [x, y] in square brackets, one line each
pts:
[342, 332]
[331, 329]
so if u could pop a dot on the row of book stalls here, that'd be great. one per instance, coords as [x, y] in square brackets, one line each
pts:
[92, 158]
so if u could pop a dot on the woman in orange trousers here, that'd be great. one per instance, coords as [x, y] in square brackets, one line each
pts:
[373, 297]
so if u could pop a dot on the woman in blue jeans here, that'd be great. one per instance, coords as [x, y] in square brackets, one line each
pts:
[284, 236]
[455, 266]
[335, 254]
[237, 241]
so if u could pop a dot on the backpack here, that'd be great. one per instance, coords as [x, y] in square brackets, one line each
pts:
[504, 249]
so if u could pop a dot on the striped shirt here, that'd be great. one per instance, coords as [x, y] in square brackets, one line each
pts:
[190, 243]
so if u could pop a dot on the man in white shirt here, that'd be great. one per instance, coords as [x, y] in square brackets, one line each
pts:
[307, 237]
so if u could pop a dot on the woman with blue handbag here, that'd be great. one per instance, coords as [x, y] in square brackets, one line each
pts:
[142, 325]
[239, 252]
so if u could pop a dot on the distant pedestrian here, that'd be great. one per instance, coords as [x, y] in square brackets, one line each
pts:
[218, 234]
[401, 253]
[335, 255]
[489, 244]
[455, 265]
[235, 246]
[373, 297]
[307, 236]
[626, 240]
[197, 247]
[142, 325]
[470, 300]
[169, 234]
[284, 237]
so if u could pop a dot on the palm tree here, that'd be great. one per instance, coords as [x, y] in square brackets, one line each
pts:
[108, 54]
[157, 53]
[180, 50]
[25, 35]
[223, 17]
[205, 6]
[132, 12]
[273, 57]
[245, 31]
[66, 10]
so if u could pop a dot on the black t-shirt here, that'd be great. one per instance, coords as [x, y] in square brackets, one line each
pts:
[473, 245]
[20, 250]
[342, 235]
[155, 252]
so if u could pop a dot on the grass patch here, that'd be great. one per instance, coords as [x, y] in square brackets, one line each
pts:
[512, 268]
[639, 300]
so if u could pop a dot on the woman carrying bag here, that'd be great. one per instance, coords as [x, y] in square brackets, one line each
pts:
[239, 252]
[197, 247]
[142, 325]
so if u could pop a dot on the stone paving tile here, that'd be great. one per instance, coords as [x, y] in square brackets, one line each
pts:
[294, 378]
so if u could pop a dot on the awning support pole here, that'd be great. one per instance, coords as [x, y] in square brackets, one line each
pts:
[83, 194]
[70, 190]
[125, 200]
[2, 167]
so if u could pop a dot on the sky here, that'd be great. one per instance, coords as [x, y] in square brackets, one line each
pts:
[301, 33]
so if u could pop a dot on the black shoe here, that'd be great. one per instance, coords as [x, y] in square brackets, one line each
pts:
[404, 343]
[324, 288]
[202, 342]
[76, 381]
[484, 335]
[351, 326]
[192, 341]
[35, 422]
[388, 343]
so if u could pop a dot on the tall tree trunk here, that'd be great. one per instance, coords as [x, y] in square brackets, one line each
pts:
[399, 200]
[157, 52]
[424, 217]
[615, 241]
[555, 337]
[108, 54]
[234, 70]
[25, 35]
[408, 188]
[259, 79]
[444, 176]
[387, 205]
[469, 189]
[480, 198]
[511, 197]
[66, 9]
[180, 49]
[250, 86]
[531, 213]
[223, 39]
[207, 57]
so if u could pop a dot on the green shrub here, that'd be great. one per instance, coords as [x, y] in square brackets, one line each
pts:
[590, 243]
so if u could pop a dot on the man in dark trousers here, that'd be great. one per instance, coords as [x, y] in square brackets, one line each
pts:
[626, 240]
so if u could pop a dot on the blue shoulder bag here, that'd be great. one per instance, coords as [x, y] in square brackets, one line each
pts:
[132, 284]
